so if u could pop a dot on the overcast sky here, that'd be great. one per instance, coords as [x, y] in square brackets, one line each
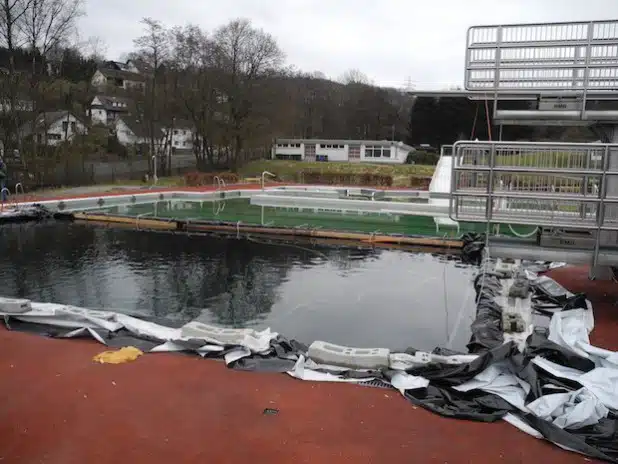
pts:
[391, 41]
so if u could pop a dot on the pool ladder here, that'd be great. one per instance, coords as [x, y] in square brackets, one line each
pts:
[18, 187]
[264, 174]
[218, 183]
[7, 192]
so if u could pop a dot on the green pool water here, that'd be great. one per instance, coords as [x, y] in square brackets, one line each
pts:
[235, 210]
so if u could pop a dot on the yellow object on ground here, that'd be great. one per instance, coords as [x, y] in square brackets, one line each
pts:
[123, 355]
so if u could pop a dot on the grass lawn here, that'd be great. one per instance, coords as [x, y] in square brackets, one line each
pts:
[289, 171]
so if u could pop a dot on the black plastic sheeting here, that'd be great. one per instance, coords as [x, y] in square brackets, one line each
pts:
[598, 441]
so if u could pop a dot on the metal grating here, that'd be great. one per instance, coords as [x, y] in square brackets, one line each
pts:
[377, 384]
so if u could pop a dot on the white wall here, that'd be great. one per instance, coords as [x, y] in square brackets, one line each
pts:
[56, 132]
[99, 79]
[334, 154]
[398, 154]
[125, 135]
[98, 115]
[295, 148]
[182, 139]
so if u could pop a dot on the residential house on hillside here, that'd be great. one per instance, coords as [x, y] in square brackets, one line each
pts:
[21, 104]
[129, 66]
[54, 127]
[181, 136]
[107, 109]
[111, 77]
[133, 131]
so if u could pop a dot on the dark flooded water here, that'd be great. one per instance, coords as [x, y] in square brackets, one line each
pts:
[363, 298]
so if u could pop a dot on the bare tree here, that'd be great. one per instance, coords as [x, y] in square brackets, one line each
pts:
[246, 58]
[11, 13]
[94, 48]
[48, 24]
[152, 48]
[354, 76]
[197, 92]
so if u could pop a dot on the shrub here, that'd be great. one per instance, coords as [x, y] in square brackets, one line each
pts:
[360, 179]
[420, 182]
[207, 179]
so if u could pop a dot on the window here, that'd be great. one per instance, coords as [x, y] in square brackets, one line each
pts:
[377, 152]
[73, 126]
[65, 126]
[175, 132]
[333, 146]
[289, 157]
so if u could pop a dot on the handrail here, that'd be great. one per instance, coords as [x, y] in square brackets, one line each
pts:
[139, 216]
[264, 174]
[23, 193]
[218, 183]
[8, 194]
[154, 169]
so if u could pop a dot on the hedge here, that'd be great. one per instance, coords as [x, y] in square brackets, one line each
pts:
[334, 178]
[201, 179]
[420, 182]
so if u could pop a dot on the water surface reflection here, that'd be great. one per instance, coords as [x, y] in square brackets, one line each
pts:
[357, 297]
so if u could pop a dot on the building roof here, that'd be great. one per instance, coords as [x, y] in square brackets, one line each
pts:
[382, 143]
[44, 120]
[124, 75]
[139, 127]
[112, 103]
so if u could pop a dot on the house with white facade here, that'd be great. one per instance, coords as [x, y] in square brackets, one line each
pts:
[107, 109]
[133, 131]
[106, 77]
[180, 134]
[129, 66]
[355, 151]
[54, 127]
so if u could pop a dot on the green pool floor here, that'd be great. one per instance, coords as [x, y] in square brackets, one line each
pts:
[240, 210]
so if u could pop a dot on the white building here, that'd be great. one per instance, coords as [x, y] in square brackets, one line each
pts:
[132, 131]
[369, 151]
[106, 109]
[54, 127]
[117, 78]
[181, 135]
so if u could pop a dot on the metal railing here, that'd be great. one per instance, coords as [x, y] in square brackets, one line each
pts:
[557, 185]
[218, 183]
[4, 191]
[567, 57]
[264, 174]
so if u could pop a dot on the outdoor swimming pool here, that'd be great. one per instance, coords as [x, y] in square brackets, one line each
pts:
[354, 297]
[249, 211]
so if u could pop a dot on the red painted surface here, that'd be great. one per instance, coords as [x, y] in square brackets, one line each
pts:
[59, 407]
